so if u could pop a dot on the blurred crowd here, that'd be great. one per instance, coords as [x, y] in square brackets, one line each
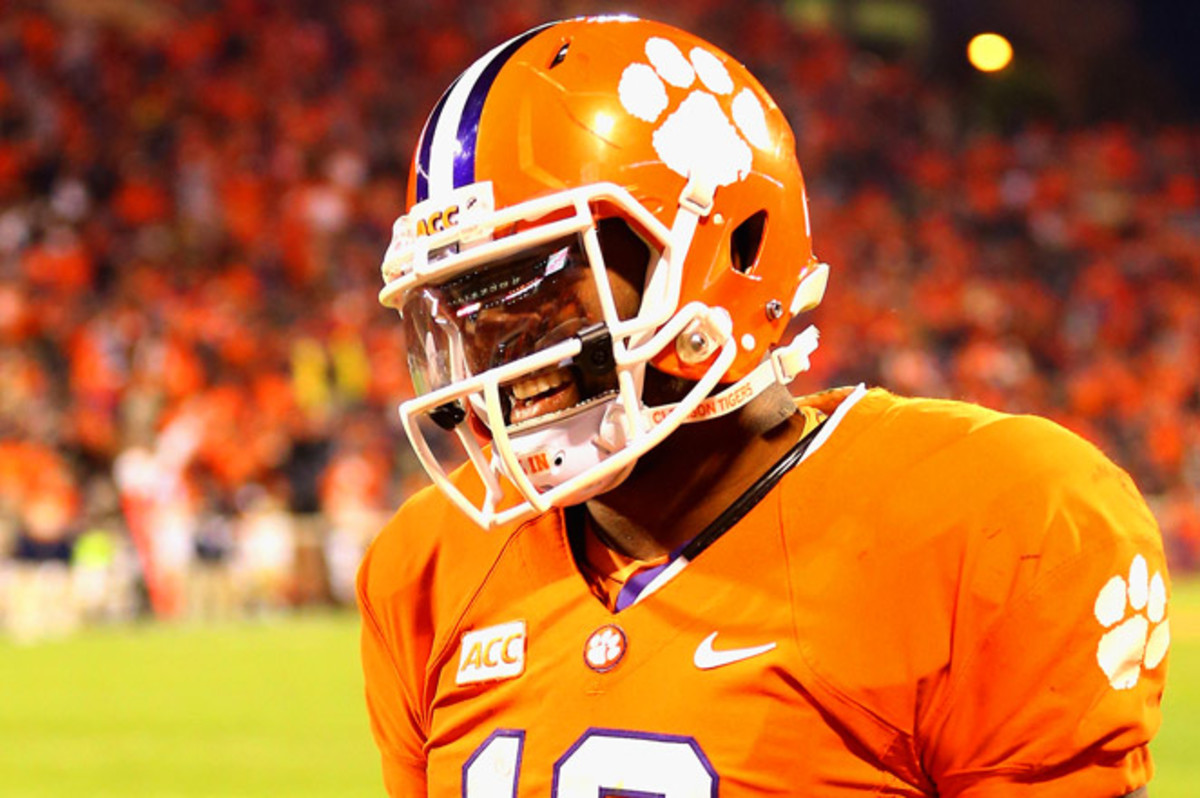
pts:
[196, 380]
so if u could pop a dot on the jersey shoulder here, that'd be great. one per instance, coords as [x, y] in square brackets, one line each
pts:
[961, 459]
[424, 568]
[919, 427]
[946, 481]
[950, 530]
[430, 548]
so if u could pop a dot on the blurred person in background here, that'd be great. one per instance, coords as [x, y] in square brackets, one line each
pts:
[354, 495]
[41, 500]
[266, 549]
[658, 573]
[212, 593]
[103, 563]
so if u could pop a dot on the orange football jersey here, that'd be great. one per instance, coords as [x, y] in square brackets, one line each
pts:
[939, 599]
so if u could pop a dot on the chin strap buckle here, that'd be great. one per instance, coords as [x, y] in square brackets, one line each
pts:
[789, 362]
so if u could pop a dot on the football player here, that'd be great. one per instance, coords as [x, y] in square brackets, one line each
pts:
[655, 573]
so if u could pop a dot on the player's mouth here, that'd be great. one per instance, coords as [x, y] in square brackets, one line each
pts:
[547, 391]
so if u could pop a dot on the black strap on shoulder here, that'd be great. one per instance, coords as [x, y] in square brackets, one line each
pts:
[753, 495]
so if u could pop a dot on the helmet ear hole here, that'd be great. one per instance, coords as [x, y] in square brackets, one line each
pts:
[746, 241]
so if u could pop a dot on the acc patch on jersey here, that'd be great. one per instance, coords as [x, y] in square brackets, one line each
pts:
[492, 653]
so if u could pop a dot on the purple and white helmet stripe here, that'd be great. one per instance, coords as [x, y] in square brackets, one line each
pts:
[447, 148]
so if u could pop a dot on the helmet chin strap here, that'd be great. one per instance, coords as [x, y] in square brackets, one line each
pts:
[783, 365]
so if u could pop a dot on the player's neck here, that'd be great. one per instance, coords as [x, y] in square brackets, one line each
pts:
[681, 486]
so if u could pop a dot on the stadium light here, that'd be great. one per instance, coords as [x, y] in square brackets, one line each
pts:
[989, 52]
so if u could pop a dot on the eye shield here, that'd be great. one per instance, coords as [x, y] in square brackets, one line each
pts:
[516, 306]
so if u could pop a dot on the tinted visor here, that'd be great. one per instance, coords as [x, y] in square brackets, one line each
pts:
[499, 313]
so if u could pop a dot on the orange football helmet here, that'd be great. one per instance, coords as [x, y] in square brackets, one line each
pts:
[589, 198]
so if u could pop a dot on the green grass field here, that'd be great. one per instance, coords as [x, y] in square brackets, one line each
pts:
[256, 709]
[1178, 744]
[275, 709]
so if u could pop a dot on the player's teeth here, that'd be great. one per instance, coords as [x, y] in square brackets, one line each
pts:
[536, 385]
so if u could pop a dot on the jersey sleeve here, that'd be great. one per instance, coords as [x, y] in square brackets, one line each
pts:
[391, 680]
[1056, 677]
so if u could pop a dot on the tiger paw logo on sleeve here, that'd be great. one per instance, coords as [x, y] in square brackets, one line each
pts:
[1133, 611]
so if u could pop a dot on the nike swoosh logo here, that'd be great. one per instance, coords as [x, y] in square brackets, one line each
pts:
[707, 658]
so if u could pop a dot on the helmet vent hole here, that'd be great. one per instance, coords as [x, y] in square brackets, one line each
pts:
[560, 56]
[746, 241]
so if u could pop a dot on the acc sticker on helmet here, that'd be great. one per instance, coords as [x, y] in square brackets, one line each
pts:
[465, 209]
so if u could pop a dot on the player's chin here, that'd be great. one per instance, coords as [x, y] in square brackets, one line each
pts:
[660, 388]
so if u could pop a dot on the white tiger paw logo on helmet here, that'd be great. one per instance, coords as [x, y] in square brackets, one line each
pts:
[1134, 640]
[697, 137]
